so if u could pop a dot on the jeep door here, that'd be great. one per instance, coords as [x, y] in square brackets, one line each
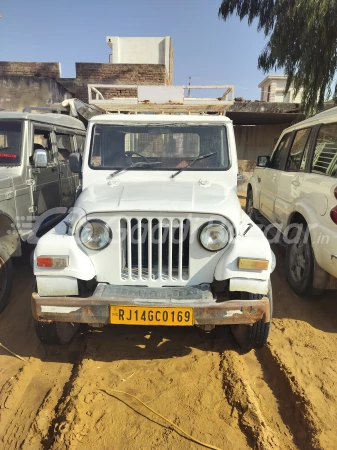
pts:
[68, 181]
[291, 179]
[46, 192]
[270, 176]
[318, 190]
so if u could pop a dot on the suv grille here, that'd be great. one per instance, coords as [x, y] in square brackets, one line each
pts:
[155, 249]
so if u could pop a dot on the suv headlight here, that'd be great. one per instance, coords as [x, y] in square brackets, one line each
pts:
[215, 236]
[95, 234]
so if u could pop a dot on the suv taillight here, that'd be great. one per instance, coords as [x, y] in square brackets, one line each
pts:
[333, 215]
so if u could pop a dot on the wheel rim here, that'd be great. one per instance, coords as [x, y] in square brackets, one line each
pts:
[3, 277]
[298, 258]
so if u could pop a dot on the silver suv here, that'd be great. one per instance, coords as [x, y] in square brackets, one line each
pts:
[36, 184]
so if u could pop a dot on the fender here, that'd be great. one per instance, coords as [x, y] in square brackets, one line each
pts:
[252, 245]
[57, 242]
[9, 235]
[304, 208]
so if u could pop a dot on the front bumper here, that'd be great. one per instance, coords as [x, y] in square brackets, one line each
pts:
[96, 309]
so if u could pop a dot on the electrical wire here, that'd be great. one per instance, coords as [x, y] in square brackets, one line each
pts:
[176, 427]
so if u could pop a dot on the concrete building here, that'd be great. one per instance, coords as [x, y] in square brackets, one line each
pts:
[142, 50]
[29, 83]
[272, 90]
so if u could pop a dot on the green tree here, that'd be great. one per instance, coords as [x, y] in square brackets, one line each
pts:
[302, 41]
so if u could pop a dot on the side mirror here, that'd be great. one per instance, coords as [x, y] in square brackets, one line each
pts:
[263, 161]
[40, 158]
[75, 162]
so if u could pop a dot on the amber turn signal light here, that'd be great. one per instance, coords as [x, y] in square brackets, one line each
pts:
[253, 264]
[52, 262]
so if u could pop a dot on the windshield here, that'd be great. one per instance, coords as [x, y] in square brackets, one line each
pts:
[10, 143]
[168, 147]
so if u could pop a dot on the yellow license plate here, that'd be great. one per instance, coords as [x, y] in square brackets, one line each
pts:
[146, 315]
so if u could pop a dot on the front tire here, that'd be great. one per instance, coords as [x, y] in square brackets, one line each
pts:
[6, 277]
[60, 333]
[253, 336]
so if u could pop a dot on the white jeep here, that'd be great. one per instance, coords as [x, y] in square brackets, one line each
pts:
[296, 191]
[157, 236]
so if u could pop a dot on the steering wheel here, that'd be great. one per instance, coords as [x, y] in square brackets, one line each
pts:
[129, 156]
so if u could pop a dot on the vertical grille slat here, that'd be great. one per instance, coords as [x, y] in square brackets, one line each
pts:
[140, 253]
[170, 238]
[155, 249]
[129, 252]
[160, 249]
[180, 261]
[150, 240]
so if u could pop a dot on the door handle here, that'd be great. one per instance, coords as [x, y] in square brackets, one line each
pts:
[274, 177]
[295, 183]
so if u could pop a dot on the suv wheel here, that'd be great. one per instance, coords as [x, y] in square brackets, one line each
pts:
[6, 277]
[250, 211]
[253, 336]
[56, 332]
[300, 262]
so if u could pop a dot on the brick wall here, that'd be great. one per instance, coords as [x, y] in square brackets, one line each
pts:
[89, 73]
[113, 93]
[37, 69]
[96, 73]
[122, 73]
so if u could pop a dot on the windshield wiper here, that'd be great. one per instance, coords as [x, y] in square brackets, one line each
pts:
[131, 166]
[4, 148]
[190, 164]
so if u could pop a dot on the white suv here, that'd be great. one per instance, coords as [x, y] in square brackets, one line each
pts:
[296, 191]
[157, 237]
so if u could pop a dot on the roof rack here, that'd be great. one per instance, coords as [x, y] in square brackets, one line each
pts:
[56, 110]
[121, 98]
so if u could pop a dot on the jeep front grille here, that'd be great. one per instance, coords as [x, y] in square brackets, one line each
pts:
[155, 249]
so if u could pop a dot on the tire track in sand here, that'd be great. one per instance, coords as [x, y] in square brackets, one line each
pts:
[29, 398]
[274, 411]
[174, 371]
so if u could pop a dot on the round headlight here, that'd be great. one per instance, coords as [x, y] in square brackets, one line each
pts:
[214, 236]
[95, 234]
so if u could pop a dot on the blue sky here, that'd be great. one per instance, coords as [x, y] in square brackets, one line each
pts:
[69, 31]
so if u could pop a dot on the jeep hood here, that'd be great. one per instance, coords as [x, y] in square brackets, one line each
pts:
[171, 196]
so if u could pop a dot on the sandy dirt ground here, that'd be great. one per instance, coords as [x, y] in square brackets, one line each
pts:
[283, 396]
